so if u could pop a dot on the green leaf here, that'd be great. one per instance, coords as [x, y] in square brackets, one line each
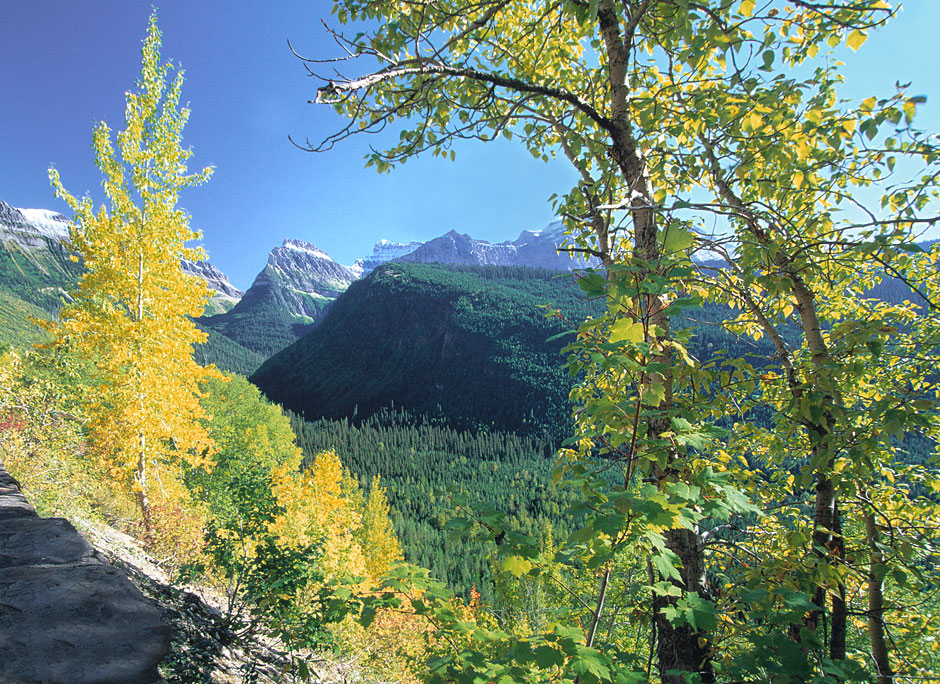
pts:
[516, 565]
[768, 56]
[581, 535]
[625, 329]
[593, 283]
[698, 612]
[664, 566]
[677, 239]
[910, 108]
[654, 394]
[589, 665]
[546, 656]
[367, 617]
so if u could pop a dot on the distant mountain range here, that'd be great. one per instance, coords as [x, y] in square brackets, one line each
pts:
[300, 281]
[287, 298]
[535, 249]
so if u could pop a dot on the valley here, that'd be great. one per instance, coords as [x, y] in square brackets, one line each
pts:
[435, 377]
[705, 451]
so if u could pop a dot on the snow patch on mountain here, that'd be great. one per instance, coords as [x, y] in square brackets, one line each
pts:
[309, 248]
[32, 228]
[48, 223]
[301, 276]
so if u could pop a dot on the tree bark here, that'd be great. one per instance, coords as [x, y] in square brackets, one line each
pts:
[683, 649]
[680, 650]
[876, 602]
[839, 607]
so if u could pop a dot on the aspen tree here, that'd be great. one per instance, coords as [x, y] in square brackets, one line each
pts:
[131, 314]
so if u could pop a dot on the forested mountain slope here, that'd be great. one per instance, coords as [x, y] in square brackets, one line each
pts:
[466, 343]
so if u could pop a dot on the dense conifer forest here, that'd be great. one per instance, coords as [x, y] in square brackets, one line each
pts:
[424, 462]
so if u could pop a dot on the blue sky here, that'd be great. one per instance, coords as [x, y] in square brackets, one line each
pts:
[65, 64]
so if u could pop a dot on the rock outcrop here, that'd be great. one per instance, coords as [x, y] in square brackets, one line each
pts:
[66, 615]
[226, 295]
[383, 251]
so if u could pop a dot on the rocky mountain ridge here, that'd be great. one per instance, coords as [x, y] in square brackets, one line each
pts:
[533, 248]
[31, 228]
[38, 234]
[226, 295]
[384, 251]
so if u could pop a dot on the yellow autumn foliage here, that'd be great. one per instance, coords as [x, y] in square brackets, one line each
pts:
[380, 545]
[316, 508]
[130, 317]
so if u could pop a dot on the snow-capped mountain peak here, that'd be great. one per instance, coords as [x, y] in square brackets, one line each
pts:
[48, 223]
[384, 250]
[309, 248]
[32, 228]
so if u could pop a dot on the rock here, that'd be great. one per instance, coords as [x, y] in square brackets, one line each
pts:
[77, 625]
[43, 541]
[12, 503]
[66, 615]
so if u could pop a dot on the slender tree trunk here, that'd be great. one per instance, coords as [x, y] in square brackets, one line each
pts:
[140, 474]
[839, 607]
[876, 602]
[140, 477]
[599, 608]
[681, 650]
[826, 539]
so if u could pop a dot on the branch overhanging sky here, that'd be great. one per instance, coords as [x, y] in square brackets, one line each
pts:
[66, 65]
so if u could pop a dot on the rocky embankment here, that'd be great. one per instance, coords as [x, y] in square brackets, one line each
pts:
[67, 616]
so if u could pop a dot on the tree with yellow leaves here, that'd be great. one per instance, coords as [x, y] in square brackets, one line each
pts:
[318, 505]
[380, 545]
[131, 313]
